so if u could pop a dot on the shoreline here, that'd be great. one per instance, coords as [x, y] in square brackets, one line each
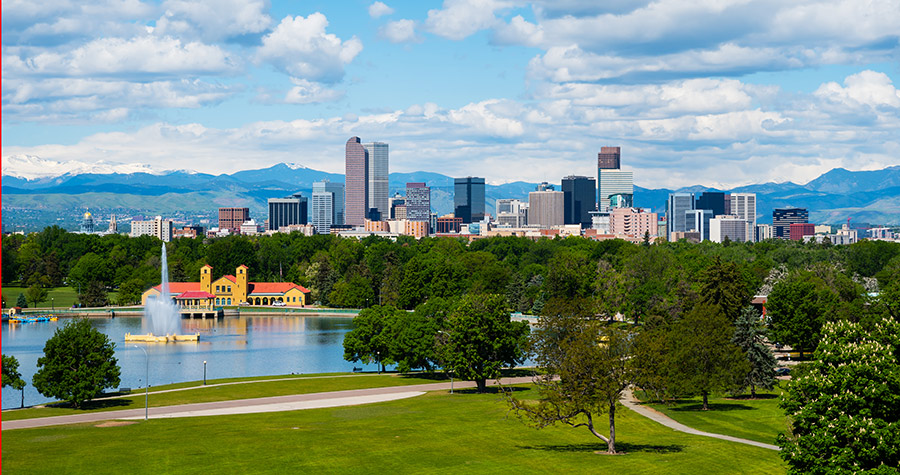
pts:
[229, 312]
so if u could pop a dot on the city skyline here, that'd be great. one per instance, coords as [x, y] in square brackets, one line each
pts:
[749, 93]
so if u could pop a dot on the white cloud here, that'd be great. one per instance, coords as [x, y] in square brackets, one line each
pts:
[379, 9]
[213, 19]
[306, 92]
[300, 47]
[400, 31]
[869, 88]
[459, 19]
[519, 31]
[487, 117]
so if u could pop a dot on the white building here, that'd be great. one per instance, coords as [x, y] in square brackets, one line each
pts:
[764, 231]
[881, 234]
[512, 212]
[378, 177]
[161, 228]
[613, 182]
[322, 215]
[743, 205]
[731, 227]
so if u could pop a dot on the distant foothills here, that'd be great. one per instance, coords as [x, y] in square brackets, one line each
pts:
[32, 201]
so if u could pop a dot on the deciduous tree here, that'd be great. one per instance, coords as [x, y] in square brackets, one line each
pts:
[372, 337]
[11, 376]
[36, 294]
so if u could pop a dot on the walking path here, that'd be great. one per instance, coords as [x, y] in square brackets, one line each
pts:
[256, 405]
[631, 402]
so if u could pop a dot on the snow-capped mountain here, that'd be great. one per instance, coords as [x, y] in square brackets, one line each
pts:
[30, 167]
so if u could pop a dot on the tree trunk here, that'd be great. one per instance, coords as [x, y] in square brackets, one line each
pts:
[382, 368]
[752, 391]
[705, 401]
[482, 385]
[611, 443]
[23, 398]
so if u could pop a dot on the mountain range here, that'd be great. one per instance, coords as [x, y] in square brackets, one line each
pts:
[32, 199]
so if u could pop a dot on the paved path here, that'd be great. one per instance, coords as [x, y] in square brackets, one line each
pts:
[256, 405]
[629, 401]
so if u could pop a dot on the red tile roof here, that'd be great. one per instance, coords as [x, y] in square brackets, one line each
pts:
[195, 294]
[180, 287]
[274, 287]
[230, 277]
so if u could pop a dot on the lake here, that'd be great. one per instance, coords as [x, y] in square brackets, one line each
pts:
[231, 346]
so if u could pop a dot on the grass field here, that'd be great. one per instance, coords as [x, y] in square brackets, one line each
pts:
[437, 432]
[756, 419]
[63, 297]
[262, 387]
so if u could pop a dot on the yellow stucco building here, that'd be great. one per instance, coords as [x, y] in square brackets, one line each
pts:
[231, 290]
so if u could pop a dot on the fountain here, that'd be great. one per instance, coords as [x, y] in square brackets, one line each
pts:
[162, 320]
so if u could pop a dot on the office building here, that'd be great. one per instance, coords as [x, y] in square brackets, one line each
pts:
[337, 204]
[512, 213]
[160, 228]
[609, 158]
[743, 205]
[783, 218]
[544, 186]
[232, 219]
[730, 227]
[418, 202]
[448, 224]
[613, 182]
[578, 200]
[468, 199]
[377, 156]
[397, 205]
[322, 215]
[676, 206]
[763, 232]
[798, 230]
[286, 211]
[633, 222]
[698, 220]
[712, 200]
[356, 176]
[545, 208]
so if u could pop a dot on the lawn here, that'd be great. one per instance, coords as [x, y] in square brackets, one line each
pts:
[63, 297]
[437, 432]
[756, 419]
[261, 387]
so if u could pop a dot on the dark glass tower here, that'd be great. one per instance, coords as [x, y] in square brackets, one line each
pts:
[782, 218]
[578, 200]
[713, 200]
[468, 199]
[287, 211]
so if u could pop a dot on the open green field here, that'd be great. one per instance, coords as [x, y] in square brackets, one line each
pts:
[63, 297]
[260, 387]
[756, 419]
[437, 432]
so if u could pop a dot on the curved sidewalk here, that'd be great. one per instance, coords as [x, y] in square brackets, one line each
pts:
[629, 401]
[257, 405]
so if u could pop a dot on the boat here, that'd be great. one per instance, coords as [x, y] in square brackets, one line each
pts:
[34, 319]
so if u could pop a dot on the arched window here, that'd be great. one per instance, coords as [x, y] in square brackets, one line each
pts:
[217, 301]
[229, 301]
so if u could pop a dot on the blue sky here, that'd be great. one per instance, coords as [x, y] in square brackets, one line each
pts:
[719, 93]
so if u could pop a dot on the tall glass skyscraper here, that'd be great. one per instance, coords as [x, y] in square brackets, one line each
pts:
[675, 212]
[418, 202]
[378, 177]
[322, 216]
[782, 218]
[468, 199]
[743, 205]
[578, 201]
[357, 179]
[286, 211]
[611, 180]
[337, 206]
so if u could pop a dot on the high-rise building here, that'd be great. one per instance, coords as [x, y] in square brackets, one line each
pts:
[322, 215]
[357, 182]
[578, 200]
[232, 219]
[712, 200]
[158, 227]
[796, 231]
[512, 212]
[763, 232]
[337, 205]
[286, 211]
[677, 204]
[397, 205]
[743, 205]
[609, 158]
[468, 199]
[611, 180]
[418, 202]
[783, 218]
[633, 222]
[698, 220]
[377, 156]
[545, 208]
[725, 226]
[544, 186]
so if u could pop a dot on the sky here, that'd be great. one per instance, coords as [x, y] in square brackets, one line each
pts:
[718, 93]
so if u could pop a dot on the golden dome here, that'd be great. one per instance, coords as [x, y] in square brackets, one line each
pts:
[87, 215]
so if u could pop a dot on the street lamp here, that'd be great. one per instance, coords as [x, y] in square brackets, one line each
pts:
[204, 372]
[146, 384]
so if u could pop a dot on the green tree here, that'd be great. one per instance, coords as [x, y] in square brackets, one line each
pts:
[845, 412]
[36, 294]
[592, 360]
[93, 295]
[706, 359]
[355, 292]
[482, 339]
[89, 268]
[797, 308]
[372, 338]
[722, 284]
[749, 334]
[130, 291]
[78, 364]
[21, 301]
[415, 334]
[12, 377]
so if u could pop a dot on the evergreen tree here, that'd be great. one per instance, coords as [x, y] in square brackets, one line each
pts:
[21, 301]
[748, 336]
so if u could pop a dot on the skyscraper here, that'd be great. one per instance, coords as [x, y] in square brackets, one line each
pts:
[578, 199]
[337, 204]
[286, 211]
[232, 218]
[675, 212]
[356, 176]
[545, 208]
[782, 218]
[611, 180]
[712, 200]
[468, 199]
[322, 215]
[698, 220]
[418, 202]
[743, 205]
[377, 156]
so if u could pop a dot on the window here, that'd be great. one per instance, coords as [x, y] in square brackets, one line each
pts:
[217, 289]
[217, 301]
[229, 289]
[229, 301]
